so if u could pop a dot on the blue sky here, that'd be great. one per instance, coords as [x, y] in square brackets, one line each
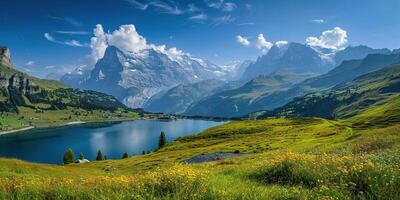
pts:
[208, 29]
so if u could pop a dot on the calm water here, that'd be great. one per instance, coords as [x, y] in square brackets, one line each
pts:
[48, 146]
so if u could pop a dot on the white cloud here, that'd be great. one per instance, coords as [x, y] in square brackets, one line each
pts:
[193, 8]
[50, 67]
[263, 44]
[229, 6]
[318, 21]
[29, 63]
[98, 43]
[169, 8]
[281, 43]
[199, 17]
[73, 32]
[242, 40]
[49, 37]
[126, 38]
[332, 39]
[68, 20]
[73, 43]
[247, 24]
[223, 20]
[214, 3]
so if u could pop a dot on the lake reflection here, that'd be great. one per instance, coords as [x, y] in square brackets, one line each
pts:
[48, 146]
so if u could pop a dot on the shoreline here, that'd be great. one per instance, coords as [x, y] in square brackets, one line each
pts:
[2, 133]
[16, 130]
[34, 127]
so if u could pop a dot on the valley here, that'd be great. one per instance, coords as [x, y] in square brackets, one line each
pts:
[199, 100]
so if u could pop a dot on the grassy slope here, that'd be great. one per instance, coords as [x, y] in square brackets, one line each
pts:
[39, 114]
[348, 99]
[321, 158]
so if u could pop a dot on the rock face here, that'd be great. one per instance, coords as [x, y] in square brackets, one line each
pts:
[5, 57]
[134, 78]
[301, 58]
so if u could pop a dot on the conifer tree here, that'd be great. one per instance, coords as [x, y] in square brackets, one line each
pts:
[125, 155]
[99, 156]
[162, 140]
[69, 156]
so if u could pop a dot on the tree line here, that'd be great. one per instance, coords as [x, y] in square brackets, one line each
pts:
[69, 156]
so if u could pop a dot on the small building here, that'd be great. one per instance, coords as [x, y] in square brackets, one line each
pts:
[79, 161]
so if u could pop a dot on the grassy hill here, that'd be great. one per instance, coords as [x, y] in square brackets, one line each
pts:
[28, 101]
[240, 101]
[299, 158]
[348, 99]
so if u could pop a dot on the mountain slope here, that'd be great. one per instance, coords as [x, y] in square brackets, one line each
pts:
[26, 100]
[239, 101]
[134, 78]
[293, 57]
[347, 71]
[301, 58]
[178, 99]
[348, 99]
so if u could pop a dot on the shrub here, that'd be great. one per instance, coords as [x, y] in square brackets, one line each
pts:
[284, 173]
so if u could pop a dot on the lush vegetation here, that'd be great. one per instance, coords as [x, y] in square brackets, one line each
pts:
[303, 158]
[27, 101]
[346, 100]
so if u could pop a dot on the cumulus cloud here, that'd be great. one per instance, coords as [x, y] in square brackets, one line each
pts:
[127, 39]
[229, 6]
[281, 43]
[331, 39]
[262, 43]
[73, 43]
[242, 40]
[98, 43]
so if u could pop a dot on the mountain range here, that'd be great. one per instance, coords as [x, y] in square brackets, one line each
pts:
[346, 71]
[182, 84]
[134, 78]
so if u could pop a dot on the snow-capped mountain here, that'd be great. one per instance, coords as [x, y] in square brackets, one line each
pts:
[77, 77]
[303, 58]
[135, 77]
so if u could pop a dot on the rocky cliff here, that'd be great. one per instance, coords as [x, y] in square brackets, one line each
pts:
[5, 57]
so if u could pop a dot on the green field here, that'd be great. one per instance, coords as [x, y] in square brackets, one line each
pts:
[299, 158]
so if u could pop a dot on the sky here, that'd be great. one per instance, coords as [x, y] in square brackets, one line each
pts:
[47, 36]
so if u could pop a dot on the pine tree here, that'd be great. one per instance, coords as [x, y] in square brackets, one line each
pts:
[125, 155]
[99, 156]
[162, 140]
[81, 156]
[69, 156]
